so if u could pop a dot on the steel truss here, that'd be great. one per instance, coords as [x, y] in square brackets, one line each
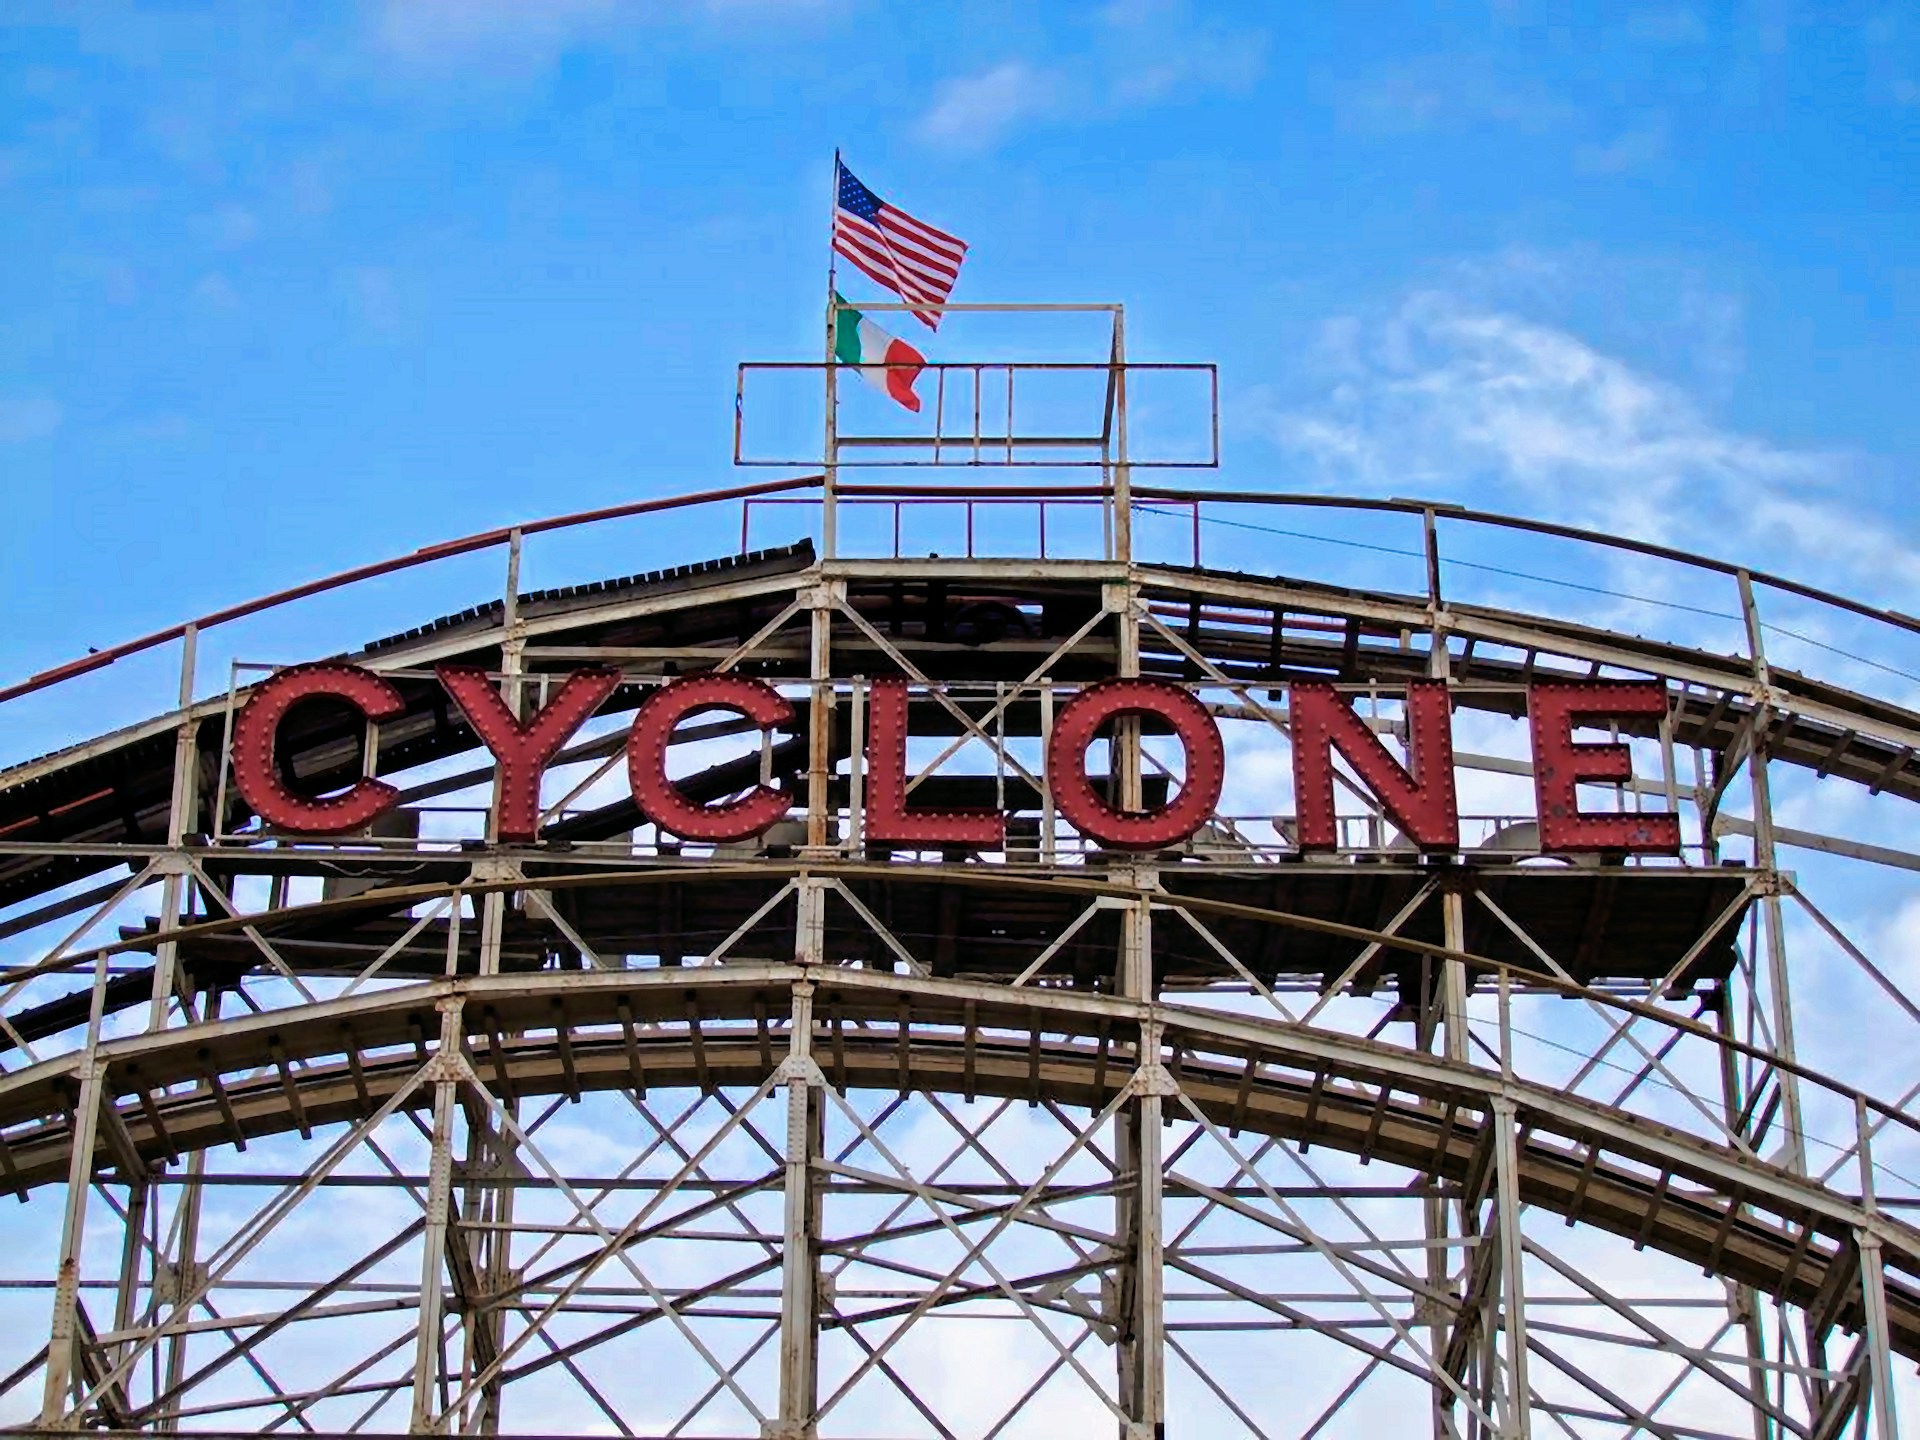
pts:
[417, 1131]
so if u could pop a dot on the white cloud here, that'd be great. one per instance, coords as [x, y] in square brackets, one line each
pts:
[1443, 92]
[1160, 50]
[32, 416]
[972, 112]
[1482, 405]
[1140, 52]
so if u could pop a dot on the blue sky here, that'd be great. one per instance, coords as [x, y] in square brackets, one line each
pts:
[284, 289]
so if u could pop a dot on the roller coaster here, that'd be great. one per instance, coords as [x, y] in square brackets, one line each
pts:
[1290, 1123]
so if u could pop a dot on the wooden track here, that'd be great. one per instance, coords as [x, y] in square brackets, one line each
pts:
[720, 1027]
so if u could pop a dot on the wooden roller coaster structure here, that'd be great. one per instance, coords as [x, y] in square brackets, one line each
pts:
[416, 1129]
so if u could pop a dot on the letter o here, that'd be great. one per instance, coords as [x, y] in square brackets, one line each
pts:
[1084, 807]
[256, 731]
[653, 728]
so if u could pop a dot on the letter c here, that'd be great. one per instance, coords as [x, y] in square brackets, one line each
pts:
[647, 742]
[256, 731]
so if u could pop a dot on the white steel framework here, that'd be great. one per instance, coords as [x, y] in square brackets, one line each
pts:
[418, 1131]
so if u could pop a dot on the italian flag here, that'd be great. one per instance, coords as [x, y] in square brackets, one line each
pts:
[888, 364]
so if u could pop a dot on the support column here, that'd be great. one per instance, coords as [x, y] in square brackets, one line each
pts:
[1743, 1301]
[1139, 1311]
[1773, 927]
[1515, 1413]
[487, 1255]
[136, 1260]
[487, 1259]
[820, 723]
[1122, 470]
[1138, 1299]
[1873, 1303]
[182, 1275]
[63, 1331]
[180, 814]
[427, 1349]
[1446, 1024]
[1875, 1332]
[800, 1254]
[830, 451]
[1765, 860]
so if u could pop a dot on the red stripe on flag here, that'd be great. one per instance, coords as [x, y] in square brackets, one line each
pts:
[903, 253]
[915, 260]
[880, 268]
[904, 224]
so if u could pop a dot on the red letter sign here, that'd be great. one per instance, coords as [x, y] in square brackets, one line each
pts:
[521, 751]
[888, 818]
[1084, 808]
[1422, 804]
[647, 756]
[1559, 765]
[258, 724]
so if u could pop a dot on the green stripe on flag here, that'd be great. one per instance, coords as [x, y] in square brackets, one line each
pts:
[846, 332]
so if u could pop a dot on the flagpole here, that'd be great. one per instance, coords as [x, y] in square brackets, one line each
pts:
[830, 464]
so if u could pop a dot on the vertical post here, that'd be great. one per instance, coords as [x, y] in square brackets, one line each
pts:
[1447, 1023]
[186, 1270]
[1139, 1309]
[820, 722]
[1439, 660]
[1122, 472]
[1121, 599]
[799, 1257]
[185, 801]
[1430, 533]
[1141, 1312]
[433, 1245]
[1765, 861]
[856, 767]
[142, 1195]
[1873, 1300]
[1047, 813]
[489, 1172]
[490, 1195]
[1873, 1288]
[1743, 1301]
[493, 920]
[1515, 1417]
[492, 904]
[134, 1259]
[830, 456]
[63, 1332]
[513, 640]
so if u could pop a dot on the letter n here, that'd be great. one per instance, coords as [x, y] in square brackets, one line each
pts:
[1421, 803]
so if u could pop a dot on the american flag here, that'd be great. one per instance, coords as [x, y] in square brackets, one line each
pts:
[906, 255]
